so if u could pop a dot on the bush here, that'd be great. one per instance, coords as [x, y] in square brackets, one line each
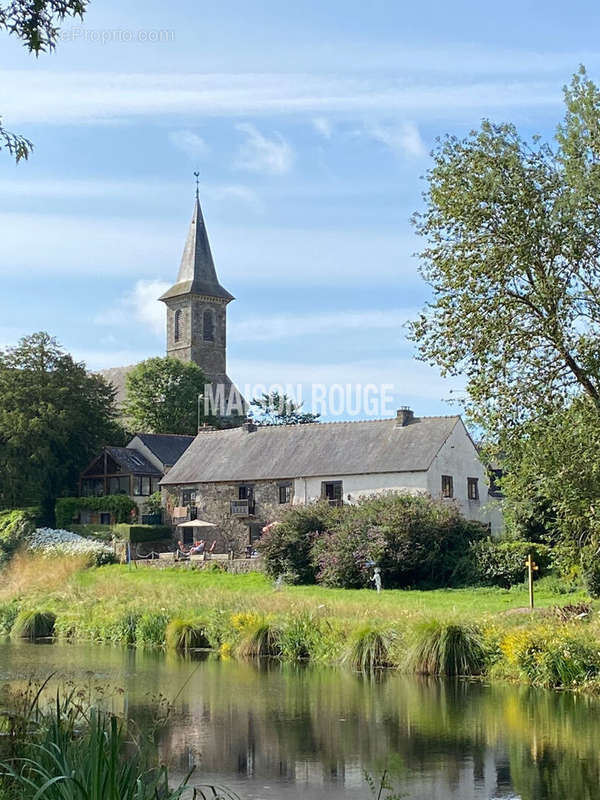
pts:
[286, 546]
[369, 649]
[502, 562]
[416, 541]
[187, 634]
[300, 636]
[33, 625]
[426, 540]
[136, 534]
[447, 648]
[590, 570]
[15, 526]
[119, 505]
[552, 659]
[346, 555]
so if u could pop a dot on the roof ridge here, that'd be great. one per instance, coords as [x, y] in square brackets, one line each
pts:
[348, 422]
[182, 435]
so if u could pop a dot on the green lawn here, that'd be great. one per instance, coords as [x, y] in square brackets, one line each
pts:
[176, 589]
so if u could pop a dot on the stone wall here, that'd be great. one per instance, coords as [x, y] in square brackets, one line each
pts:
[213, 505]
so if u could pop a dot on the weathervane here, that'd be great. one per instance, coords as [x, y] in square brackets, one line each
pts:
[197, 176]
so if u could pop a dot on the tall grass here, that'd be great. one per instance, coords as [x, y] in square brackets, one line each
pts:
[187, 634]
[33, 625]
[31, 574]
[70, 753]
[369, 649]
[446, 648]
[260, 640]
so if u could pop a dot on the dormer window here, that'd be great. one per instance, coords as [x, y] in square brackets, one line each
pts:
[177, 325]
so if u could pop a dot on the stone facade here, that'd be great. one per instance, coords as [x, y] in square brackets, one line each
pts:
[202, 332]
[212, 502]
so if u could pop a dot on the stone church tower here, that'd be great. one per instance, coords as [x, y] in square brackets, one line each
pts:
[197, 307]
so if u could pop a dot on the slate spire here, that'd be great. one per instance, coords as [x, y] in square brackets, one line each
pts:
[197, 274]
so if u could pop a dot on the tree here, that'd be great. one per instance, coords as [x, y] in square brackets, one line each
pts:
[53, 417]
[164, 396]
[35, 22]
[279, 409]
[513, 261]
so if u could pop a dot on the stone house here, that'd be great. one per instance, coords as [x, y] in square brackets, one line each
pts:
[134, 470]
[241, 479]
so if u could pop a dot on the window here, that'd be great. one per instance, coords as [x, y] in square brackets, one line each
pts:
[154, 487]
[118, 485]
[285, 493]
[141, 485]
[208, 325]
[177, 325]
[188, 497]
[332, 491]
[447, 486]
[473, 488]
[105, 518]
[245, 492]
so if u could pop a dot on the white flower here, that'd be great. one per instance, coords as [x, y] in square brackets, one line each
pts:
[54, 542]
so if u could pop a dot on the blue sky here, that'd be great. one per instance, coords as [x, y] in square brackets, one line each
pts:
[311, 125]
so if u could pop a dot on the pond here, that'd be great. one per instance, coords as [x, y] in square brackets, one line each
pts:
[272, 731]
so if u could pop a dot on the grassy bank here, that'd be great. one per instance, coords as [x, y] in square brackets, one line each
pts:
[467, 631]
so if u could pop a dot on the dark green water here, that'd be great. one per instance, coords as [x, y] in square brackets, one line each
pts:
[271, 731]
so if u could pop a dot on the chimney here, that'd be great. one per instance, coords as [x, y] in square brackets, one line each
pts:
[404, 416]
[249, 426]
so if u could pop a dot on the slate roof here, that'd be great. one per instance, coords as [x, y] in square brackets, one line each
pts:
[167, 447]
[118, 377]
[317, 449]
[197, 274]
[132, 461]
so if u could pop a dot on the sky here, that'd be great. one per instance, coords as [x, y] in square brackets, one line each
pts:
[311, 125]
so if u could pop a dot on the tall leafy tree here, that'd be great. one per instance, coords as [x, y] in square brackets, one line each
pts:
[36, 23]
[164, 395]
[53, 417]
[512, 256]
[279, 409]
[512, 230]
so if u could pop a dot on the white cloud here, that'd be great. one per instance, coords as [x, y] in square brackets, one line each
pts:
[323, 126]
[287, 326]
[402, 139]
[140, 305]
[258, 153]
[248, 253]
[190, 143]
[90, 97]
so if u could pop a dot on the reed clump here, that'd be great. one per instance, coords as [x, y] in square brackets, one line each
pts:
[187, 634]
[369, 649]
[447, 648]
[33, 625]
[260, 640]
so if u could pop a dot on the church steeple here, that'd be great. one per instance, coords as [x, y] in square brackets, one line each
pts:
[197, 306]
[197, 274]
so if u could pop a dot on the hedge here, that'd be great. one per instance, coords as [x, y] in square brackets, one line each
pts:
[90, 530]
[142, 533]
[69, 507]
[502, 562]
[15, 525]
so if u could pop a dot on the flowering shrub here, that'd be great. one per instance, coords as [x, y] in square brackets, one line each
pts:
[48, 541]
[345, 557]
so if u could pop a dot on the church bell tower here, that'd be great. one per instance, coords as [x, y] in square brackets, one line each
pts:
[197, 306]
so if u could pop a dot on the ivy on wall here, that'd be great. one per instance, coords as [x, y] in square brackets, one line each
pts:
[119, 505]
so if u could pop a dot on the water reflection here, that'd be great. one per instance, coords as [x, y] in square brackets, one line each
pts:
[274, 731]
